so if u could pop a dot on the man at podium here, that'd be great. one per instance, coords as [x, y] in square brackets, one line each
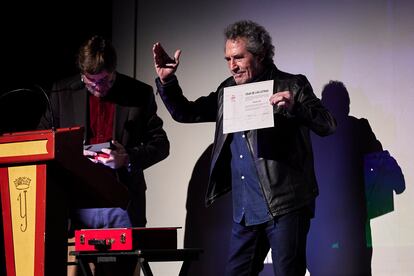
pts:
[122, 130]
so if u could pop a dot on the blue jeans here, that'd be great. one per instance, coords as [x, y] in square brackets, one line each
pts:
[285, 235]
[96, 218]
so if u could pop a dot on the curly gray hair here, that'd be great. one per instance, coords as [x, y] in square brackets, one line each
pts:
[258, 39]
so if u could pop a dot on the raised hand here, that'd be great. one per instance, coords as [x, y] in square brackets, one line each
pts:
[165, 66]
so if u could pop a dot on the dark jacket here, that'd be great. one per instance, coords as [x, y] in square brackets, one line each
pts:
[136, 126]
[283, 153]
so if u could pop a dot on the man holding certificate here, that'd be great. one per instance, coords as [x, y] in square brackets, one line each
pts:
[262, 149]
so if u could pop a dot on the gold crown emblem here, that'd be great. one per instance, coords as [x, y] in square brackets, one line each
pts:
[22, 183]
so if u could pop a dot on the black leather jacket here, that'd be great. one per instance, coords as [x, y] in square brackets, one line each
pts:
[283, 153]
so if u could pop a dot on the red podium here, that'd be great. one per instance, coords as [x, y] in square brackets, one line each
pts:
[42, 175]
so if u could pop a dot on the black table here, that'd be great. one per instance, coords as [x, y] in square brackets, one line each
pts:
[143, 256]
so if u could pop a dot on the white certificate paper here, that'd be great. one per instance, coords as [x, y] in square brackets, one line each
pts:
[247, 106]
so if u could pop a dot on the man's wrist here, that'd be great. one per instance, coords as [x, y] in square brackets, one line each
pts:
[168, 79]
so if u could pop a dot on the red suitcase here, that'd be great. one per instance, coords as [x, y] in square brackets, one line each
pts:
[123, 239]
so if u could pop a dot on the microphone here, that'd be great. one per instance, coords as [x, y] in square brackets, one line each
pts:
[75, 85]
[72, 86]
[49, 106]
[30, 90]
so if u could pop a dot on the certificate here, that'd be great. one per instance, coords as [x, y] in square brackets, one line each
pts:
[247, 106]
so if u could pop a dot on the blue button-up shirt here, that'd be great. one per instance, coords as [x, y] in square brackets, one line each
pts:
[248, 199]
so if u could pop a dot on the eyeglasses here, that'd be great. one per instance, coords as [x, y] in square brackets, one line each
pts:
[107, 80]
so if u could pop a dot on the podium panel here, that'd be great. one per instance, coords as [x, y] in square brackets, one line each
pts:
[23, 190]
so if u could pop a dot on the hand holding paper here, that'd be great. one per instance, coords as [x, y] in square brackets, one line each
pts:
[283, 99]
